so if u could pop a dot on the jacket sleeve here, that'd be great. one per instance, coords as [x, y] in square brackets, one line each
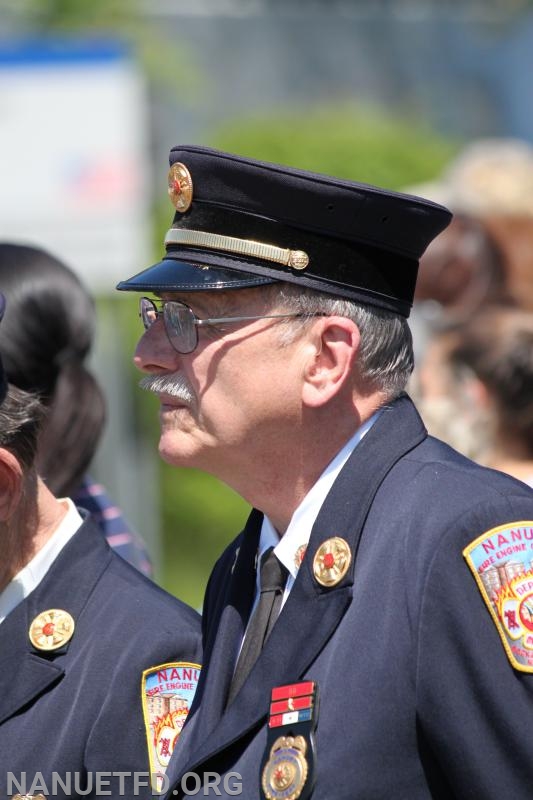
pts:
[118, 741]
[474, 708]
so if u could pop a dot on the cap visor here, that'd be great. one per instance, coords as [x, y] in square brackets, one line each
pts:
[171, 275]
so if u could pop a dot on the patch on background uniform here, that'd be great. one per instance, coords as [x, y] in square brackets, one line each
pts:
[167, 694]
[501, 561]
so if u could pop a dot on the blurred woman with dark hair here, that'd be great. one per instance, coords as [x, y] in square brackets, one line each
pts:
[47, 334]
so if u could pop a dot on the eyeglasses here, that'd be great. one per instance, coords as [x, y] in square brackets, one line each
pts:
[181, 323]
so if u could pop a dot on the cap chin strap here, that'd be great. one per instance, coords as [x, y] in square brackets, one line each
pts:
[295, 259]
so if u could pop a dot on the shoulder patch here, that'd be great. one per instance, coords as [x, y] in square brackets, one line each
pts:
[501, 561]
[167, 694]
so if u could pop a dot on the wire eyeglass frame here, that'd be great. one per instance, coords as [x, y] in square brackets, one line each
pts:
[181, 323]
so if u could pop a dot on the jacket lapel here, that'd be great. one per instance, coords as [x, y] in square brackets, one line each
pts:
[25, 671]
[230, 614]
[312, 612]
[25, 675]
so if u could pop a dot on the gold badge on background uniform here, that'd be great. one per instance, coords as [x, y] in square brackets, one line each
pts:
[51, 629]
[167, 694]
[180, 187]
[332, 561]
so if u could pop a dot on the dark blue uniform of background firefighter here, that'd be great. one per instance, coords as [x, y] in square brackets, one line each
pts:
[77, 711]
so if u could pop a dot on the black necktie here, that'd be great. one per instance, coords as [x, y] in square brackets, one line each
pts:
[272, 582]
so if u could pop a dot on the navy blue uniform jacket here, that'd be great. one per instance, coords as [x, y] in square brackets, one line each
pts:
[78, 708]
[418, 699]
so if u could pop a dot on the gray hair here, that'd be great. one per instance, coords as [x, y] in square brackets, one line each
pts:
[386, 352]
[21, 415]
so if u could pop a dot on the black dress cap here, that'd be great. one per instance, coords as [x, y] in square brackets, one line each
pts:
[241, 222]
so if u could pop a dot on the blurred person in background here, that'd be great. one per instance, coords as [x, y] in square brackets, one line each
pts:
[486, 254]
[476, 388]
[83, 639]
[482, 261]
[47, 335]
[461, 271]
[351, 644]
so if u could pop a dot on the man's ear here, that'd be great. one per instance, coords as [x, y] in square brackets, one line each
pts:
[335, 343]
[11, 484]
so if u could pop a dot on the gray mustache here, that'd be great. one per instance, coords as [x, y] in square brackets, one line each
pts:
[175, 385]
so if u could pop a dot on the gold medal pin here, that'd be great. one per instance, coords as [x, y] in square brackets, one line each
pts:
[332, 561]
[51, 629]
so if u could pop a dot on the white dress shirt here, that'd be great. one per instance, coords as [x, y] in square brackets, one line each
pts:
[32, 574]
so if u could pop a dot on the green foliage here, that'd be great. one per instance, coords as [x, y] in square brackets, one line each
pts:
[85, 15]
[348, 141]
[200, 516]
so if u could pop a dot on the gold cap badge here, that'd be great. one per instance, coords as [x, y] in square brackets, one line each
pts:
[51, 629]
[180, 187]
[332, 561]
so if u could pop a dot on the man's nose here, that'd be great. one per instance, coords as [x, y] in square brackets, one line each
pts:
[154, 353]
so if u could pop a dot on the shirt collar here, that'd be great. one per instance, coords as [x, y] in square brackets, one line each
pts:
[290, 548]
[32, 574]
